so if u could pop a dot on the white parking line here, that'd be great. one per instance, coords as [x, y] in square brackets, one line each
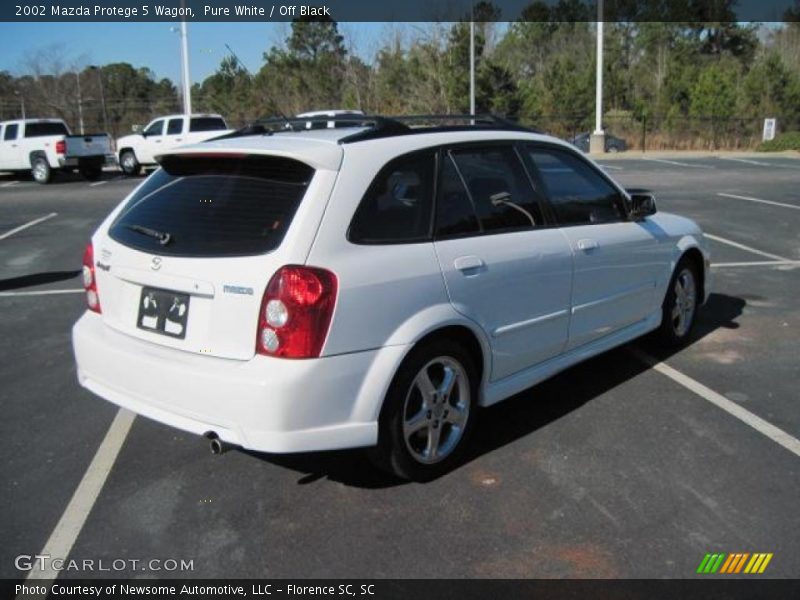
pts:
[779, 436]
[615, 168]
[69, 526]
[41, 293]
[758, 263]
[675, 162]
[96, 183]
[26, 225]
[723, 240]
[9, 184]
[745, 160]
[759, 200]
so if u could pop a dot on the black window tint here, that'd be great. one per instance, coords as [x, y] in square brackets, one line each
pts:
[11, 132]
[455, 215]
[206, 124]
[156, 128]
[214, 206]
[500, 190]
[397, 205]
[174, 126]
[579, 195]
[45, 129]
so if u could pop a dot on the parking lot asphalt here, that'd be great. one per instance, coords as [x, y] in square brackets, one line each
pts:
[611, 469]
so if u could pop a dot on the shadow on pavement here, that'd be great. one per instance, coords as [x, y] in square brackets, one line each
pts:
[525, 412]
[24, 281]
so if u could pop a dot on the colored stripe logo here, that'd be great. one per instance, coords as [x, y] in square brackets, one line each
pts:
[737, 562]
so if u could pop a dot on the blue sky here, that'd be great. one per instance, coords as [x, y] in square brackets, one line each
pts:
[153, 45]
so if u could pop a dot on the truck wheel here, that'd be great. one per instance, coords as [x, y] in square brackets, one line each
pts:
[130, 166]
[91, 173]
[40, 169]
[428, 413]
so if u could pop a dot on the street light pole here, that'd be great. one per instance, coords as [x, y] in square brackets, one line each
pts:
[187, 92]
[472, 66]
[102, 95]
[21, 102]
[597, 140]
[80, 103]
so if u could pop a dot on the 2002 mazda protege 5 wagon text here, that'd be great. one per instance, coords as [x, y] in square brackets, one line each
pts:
[371, 284]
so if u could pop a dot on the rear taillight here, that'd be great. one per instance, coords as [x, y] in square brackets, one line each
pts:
[296, 312]
[61, 147]
[89, 280]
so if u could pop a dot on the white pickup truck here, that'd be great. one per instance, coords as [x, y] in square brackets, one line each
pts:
[45, 146]
[164, 134]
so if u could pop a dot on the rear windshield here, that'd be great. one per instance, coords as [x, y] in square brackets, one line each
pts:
[206, 124]
[218, 205]
[43, 129]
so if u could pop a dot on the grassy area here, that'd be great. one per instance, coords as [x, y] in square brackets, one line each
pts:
[784, 141]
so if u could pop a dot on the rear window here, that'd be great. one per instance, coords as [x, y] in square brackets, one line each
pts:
[44, 129]
[206, 124]
[214, 206]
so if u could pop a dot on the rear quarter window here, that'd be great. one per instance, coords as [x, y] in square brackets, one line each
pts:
[397, 207]
[45, 129]
[214, 206]
[206, 124]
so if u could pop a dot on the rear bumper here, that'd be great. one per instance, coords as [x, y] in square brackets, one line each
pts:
[82, 162]
[263, 404]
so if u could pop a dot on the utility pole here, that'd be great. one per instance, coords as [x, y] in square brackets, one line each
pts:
[80, 102]
[187, 91]
[597, 141]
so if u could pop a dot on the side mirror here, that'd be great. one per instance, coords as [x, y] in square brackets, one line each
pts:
[136, 128]
[642, 205]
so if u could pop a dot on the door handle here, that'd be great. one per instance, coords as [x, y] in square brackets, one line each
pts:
[587, 244]
[467, 263]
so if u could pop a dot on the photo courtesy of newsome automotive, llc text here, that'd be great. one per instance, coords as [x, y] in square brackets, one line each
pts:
[400, 300]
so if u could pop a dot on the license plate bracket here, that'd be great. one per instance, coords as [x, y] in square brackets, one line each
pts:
[164, 312]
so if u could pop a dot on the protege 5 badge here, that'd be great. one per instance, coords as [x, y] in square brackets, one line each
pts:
[236, 289]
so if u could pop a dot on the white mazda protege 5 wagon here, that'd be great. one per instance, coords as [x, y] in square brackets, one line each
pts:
[371, 285]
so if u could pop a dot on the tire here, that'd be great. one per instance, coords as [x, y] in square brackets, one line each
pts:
[680, 304]
[91, 173]
[130, 166]
[40, 170]
[422, 435]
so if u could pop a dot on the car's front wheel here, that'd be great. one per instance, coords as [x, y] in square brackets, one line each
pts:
[429, 412]
[680, 304]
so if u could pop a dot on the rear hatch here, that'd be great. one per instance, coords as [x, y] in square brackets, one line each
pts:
[186, 260]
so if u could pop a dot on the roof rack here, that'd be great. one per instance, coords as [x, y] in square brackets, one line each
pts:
[376, 126]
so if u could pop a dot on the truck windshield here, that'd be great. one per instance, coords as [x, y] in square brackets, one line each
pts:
[214, 205]
[44, 129]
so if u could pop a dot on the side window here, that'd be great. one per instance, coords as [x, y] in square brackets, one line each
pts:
[174, 126]
[11, 132]
[156, 128]
[455, 214]
[579, 195]
[397, 206]
[501, 193]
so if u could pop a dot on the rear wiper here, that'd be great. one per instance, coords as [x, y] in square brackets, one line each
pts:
[163, 237]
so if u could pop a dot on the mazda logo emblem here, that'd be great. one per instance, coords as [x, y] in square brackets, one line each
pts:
[156, 263]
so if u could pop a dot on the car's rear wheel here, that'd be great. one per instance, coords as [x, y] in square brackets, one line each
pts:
[429, 412]
[40, 170]
[680, 304]
[130, 166]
